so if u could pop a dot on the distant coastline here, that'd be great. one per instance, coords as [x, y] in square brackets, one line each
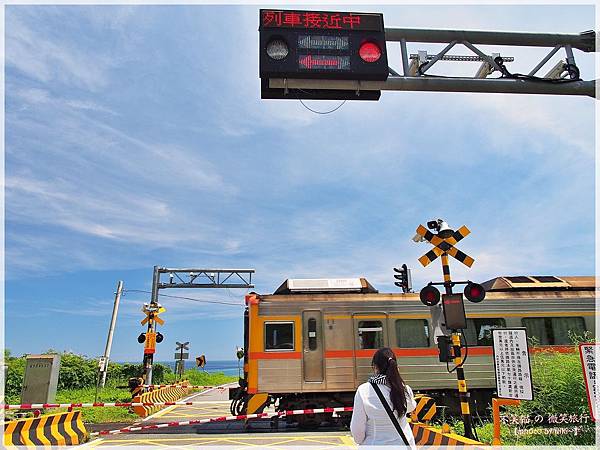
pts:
[227, 367]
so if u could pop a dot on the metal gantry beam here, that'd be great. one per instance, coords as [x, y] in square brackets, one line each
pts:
[414, 66]
[191, 278]
[204, 278]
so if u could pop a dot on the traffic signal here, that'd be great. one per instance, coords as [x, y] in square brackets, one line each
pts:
[159, 338]
[429, 295]
[474, 292]
[404, 278]
[321, 45]
[142, 338]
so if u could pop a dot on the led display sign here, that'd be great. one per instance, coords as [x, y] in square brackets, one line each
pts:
[324, 62]
[322, 45]
[321, 20]
[321, 42]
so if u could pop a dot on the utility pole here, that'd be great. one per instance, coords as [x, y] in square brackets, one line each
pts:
[111, 331]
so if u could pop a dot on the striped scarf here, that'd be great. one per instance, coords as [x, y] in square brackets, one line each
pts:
[378, 379]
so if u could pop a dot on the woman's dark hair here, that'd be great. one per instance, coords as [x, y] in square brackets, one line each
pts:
[385, 361]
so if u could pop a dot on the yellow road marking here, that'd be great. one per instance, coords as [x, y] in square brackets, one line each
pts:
[336, 440]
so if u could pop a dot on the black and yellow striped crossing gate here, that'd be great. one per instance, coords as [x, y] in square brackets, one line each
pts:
[425, 410]
[54, 429]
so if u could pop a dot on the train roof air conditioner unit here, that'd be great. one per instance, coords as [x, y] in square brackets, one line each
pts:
[334, 285]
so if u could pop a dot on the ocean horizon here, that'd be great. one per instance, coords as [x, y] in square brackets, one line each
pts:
[228, 367]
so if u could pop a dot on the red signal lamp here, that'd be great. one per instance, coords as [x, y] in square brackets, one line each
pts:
[429, 295]
[474, 292]
[369, 52]
[141, 338]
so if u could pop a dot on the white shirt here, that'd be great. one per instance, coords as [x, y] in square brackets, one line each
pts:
[371, 424]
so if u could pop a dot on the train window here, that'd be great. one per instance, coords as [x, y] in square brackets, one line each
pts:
[370, 334]
[553, 330]
[563, 327]
[312, 334]
[538, 329]
[279, 336]
[411, 333]
[479, 331]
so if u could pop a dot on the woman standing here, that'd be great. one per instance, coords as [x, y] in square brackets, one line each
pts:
[371, 424]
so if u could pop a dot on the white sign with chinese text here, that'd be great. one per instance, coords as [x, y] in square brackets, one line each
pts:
[588, 353]
[511, 361]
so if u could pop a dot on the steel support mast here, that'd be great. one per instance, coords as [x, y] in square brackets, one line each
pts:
[191, 278]
[563, 79]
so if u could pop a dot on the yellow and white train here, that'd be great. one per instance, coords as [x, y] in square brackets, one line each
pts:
[310, 343]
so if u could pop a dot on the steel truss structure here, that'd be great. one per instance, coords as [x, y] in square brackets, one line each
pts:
[201, 278]
[190, 278]
[563, 79]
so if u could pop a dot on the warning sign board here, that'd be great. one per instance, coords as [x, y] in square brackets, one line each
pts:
[511, 361]
[588, 353]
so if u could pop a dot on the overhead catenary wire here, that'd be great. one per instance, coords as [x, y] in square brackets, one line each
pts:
[185, 298]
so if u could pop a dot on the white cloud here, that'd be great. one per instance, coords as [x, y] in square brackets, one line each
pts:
[42, 58]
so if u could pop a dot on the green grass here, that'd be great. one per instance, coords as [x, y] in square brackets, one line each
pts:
[201, 378]
[102, 414]
[112, 394]
[536, 435]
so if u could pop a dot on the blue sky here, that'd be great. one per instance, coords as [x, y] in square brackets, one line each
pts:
[135, 136]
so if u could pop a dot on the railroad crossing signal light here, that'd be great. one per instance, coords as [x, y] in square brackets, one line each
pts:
[403, 277]
[158, 338]
[321, 45]
[201, 361]
[474, 292]
[429, 295]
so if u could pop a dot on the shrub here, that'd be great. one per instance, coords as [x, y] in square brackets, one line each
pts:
[76, 372]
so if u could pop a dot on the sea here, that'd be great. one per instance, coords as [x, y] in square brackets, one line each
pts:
[227, 367]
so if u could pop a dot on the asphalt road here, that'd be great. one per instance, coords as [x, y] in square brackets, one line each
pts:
[234, 434]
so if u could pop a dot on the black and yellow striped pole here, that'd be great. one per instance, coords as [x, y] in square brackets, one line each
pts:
[463, 394]
[443, 243]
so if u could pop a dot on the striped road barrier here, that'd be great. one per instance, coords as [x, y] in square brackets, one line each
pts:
[159, 386]
[54, 429]
[424, 434]
[222, 419]
[425, 410]
[161, 395]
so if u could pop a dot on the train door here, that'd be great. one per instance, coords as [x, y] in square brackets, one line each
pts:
[370, 334]
[312, 346]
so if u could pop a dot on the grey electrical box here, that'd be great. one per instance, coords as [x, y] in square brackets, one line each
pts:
[41, 379]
